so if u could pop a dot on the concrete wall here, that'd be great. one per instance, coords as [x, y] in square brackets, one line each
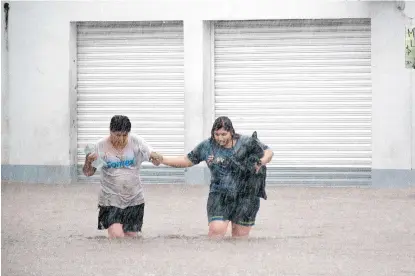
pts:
[39, 139]
[4, 90]
[393, 104]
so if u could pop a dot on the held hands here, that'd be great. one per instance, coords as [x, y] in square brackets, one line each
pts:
[156, 158]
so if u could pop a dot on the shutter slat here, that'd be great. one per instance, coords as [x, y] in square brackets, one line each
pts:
[305, 87]
[135, 69]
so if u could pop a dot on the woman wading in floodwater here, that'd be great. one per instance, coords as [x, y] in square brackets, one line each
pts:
[225, 204]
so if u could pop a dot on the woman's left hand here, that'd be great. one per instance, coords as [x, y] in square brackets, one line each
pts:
[258, 167]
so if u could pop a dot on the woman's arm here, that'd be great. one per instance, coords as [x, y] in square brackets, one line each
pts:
[88, 169]
[268, 154]
[177, 162]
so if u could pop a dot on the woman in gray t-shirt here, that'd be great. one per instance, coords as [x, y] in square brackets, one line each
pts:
[121, 198]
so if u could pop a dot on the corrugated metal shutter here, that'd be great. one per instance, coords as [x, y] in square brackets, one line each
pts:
[305, 87]
[134, 69]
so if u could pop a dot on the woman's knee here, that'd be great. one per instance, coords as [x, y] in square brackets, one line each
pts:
[116, 231]
[131, 234]
[218, 228]
[239, 231]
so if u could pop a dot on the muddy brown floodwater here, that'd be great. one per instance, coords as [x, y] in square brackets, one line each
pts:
[51, 230]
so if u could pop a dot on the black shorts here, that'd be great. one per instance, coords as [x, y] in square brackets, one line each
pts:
[131, 217]
[240, 210]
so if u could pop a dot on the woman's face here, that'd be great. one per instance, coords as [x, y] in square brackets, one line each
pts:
[119, 138]
[223, 137]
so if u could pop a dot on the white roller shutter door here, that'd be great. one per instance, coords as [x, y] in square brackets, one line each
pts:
[133, 69]
[305, 87]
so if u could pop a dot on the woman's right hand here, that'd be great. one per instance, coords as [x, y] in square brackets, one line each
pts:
[88, 169]
[92, 157]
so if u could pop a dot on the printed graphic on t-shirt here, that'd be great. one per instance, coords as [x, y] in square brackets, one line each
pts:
[121, 164]
[127, 160]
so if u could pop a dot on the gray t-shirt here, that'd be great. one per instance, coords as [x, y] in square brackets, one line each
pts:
[120, 176]
[222, 178]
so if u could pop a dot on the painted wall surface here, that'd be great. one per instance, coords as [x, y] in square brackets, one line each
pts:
[4, 89]
[38, 63]
[393, 103]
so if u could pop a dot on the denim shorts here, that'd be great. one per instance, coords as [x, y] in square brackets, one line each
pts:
[240, 210]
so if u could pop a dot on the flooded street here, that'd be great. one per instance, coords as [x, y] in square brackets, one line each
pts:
[51, 230]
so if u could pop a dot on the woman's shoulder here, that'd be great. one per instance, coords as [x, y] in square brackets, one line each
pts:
[102, 140]
[136, 139]
[205, 143]
[243, 138]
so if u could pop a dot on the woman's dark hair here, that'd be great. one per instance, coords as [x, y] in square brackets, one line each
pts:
[120, 123]
[225, 123]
